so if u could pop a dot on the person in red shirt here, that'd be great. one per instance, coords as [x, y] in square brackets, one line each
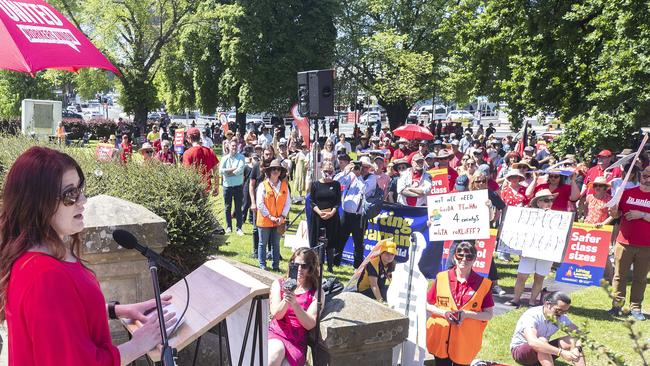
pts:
[456, 161]
[632, 246]
[442, 161]
[423, 149]
[604, 161]
[513, 193]
[55, 311]
[402, 151]
[203, 159]
[566, 193]
[166, 155]
[126, 149]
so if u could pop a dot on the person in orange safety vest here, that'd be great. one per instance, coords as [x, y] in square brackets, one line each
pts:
[460, 303]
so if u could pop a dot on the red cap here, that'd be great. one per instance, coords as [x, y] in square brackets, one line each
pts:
[193, 132]
[604, 154]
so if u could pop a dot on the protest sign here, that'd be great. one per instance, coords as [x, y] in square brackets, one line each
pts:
[484, 252]
[179, 141]
[586, 255]
[399, 222]
[535, 233]
[104, 152]
[439, 181]
[459, 216]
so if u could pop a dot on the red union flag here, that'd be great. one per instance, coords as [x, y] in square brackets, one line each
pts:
[34, 36]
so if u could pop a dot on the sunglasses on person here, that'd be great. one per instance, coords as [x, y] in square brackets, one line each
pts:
[645, 176]
[546, 200]
[600, 186]
[70, 196]
[553, 176]
[466, 256]
[304, 266]
[274, 169]
[480, 181]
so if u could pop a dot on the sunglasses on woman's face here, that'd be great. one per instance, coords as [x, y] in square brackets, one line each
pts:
[546, 200]
[465, 256]
[553, 176]
[274, 169]
[600, 186]
[70, 196]
[304, 266]
[480, 181]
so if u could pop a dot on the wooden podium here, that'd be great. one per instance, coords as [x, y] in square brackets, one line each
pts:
[218, 292]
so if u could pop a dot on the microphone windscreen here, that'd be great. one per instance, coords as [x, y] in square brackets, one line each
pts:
[125, 239]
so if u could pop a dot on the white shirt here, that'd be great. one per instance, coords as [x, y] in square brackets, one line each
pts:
[356, 189]
[406, 180]
[207, 142]
[345, 144]
[534, 318]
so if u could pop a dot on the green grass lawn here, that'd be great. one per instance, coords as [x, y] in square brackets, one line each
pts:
[240, 248]
[588, 311]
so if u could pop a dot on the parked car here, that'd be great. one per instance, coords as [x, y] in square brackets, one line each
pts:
[368, 118]
[67, 114]
[460, 115]
[153, 115]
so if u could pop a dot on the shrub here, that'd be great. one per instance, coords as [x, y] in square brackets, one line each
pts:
[10, 126]
[174, 193]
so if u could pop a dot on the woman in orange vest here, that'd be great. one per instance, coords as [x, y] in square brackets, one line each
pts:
[273, 203]
[460, 303]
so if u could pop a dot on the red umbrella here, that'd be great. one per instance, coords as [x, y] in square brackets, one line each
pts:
[412, 131]
[34, 36]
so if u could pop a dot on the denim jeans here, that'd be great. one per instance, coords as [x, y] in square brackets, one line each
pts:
[268, 235]
[256, 234]
[230, 194]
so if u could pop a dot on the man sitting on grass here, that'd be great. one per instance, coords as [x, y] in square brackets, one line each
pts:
[530, 345]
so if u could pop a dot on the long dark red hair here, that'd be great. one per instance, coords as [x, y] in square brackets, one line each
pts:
[29, 201]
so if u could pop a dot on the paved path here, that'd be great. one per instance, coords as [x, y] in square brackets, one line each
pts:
[550, 284]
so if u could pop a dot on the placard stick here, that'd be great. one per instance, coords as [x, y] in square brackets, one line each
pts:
[620, 162]
[617, 198]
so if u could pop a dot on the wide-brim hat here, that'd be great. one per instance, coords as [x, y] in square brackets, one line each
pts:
[146, 147]
[444, 154]
[388, 246]
[541, 194]
[522, 164]
[601, 180]
[624, 153]
[402, 140]
[398, 162]
[275, 164]
[365, 161]
[515, 173]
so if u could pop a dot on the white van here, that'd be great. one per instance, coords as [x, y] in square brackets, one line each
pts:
[439, 114]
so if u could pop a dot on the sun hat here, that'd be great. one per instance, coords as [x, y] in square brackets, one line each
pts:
[388, 246]
[444, 154]
[276, 164]
[601, 180]
[417, 156]
[541, 194]
[146, 147]
[398, 162]
[515, 172]
[402, 140]
[522, 164]
[365, 160]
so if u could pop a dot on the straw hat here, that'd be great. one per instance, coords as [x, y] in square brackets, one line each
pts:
[515, 172]
[146, 147]
[601, 180]
[444, 154]
[522, 164]
[542, 194]
[365, 161]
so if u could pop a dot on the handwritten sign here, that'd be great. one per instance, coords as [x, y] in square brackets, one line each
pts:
[104, 152]
[179, 141]
[586, 255]
[439, 181]
[535, 233]
[484, 253]
[459, 216]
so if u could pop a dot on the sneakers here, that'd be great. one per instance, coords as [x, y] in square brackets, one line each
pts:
[240, 232]
[615, 311]
[498, 290]
[637, 315]
[228, 230]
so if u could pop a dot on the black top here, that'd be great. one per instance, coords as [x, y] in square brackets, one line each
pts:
[325, 195]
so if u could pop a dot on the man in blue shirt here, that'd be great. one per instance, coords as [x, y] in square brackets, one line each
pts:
[232, 170]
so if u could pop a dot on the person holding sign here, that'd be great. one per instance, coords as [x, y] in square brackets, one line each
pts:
[566, 193]
[632, 246]
[376, 275]
[540, 268]
[460, 304]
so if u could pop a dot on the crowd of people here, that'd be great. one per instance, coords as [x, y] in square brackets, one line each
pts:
[263, 173]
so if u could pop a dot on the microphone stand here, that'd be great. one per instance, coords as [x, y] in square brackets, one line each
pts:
[167, 355]
[319, 299]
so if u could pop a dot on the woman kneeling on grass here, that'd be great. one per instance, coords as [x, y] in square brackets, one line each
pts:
[293, 312]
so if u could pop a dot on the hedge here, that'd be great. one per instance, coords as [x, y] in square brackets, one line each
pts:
[174, 193]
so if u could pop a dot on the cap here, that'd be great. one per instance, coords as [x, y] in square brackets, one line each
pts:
[282, 141]
[437, 142]
[417, 156]
[345, 157]
[529, 149]
[484, 168]
[193, 132]
[462, 182]
[424, 142]
[604, 154]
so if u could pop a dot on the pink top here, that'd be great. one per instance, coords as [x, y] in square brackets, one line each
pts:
[56, 315]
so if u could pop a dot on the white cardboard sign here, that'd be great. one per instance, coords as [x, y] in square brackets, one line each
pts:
[459, 216]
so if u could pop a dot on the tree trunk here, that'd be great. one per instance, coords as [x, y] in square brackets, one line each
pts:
[140, 118]
[240, 118]
[396, 111]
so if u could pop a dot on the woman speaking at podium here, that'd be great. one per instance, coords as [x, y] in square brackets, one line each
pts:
[55, 311]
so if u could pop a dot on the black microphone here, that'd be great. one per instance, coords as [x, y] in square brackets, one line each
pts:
[127, 240]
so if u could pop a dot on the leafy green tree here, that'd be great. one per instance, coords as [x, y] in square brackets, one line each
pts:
[89, 82]
[133, 34]
[264, 43]
[394, 49]
[15, 86]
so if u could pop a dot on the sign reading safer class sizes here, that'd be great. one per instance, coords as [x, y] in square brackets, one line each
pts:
[459, 216]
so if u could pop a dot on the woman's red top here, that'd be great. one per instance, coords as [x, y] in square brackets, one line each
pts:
[56, 315]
